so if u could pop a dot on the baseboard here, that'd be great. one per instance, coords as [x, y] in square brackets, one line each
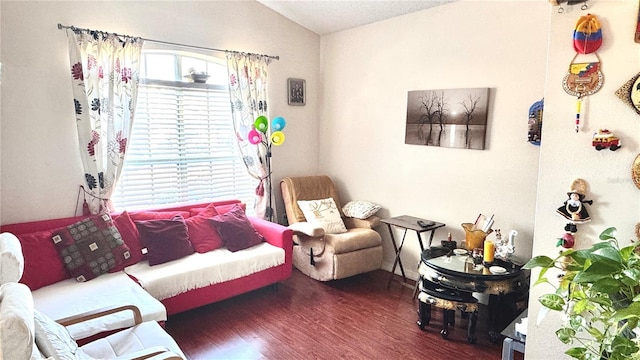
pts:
[413, 275]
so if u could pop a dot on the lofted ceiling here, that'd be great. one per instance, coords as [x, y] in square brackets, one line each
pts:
[328, 16]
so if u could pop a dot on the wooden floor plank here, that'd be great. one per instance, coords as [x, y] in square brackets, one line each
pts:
[354, 318]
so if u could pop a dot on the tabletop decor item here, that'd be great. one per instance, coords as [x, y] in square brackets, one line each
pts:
[599, 294]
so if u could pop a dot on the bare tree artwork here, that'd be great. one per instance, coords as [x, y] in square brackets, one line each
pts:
[469, 108]
[460, 116]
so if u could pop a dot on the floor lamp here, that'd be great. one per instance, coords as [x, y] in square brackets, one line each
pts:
[259, 135]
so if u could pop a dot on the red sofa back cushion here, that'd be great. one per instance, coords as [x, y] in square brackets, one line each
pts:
[42, 264]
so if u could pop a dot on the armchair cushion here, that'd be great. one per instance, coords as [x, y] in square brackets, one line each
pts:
[140, 337]
[306, 228]
[11, 259]
[353, 240]
[54, 340]
[360, 209]
[325, 213]
[17, 340]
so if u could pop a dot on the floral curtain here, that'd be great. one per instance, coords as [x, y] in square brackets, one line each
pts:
[104, 71]
[248, 91]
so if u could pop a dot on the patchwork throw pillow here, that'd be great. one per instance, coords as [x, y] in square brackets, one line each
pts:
[90, 247]
[131, 238]
[360, 209]
[165, 240]
[236, 230]
[202, 234]
[325, 213]
[40, 253]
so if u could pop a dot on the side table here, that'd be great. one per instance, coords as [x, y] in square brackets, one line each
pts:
[407, 222]
[513, 341]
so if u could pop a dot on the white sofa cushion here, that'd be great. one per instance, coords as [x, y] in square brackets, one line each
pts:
[144, 336]
[17, 331]
[11, 258]
[69, 297]
[200, 270]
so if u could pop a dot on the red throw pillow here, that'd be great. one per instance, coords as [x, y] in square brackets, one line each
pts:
[157, 215]
[42, 264]
[202, 234]
[131, 238]
[221, 209]
[90, 247]
[236, 230]
[165, 240]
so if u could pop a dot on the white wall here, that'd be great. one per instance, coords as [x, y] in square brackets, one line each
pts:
[566, 155]
[366, 74]
[41, 168]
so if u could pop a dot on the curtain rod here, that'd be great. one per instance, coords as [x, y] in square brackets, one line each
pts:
[60, 27]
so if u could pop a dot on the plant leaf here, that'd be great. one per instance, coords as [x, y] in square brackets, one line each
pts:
[631, 311]
[608, 234]
[539, 261]
[577, 352]
[565, 335]
[552, 301]
[607, 285]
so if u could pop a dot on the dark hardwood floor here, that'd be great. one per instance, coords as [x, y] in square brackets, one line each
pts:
[354, 318]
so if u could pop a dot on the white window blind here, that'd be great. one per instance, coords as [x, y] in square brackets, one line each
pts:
[182, 148]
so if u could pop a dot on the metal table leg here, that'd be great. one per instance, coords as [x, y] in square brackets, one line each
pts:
[397, 260]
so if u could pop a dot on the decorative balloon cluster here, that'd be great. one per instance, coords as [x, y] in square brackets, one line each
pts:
[261, 127]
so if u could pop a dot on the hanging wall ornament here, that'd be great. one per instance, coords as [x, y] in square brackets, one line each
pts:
[534, 133]
[629, 93]
[584, 77]
[574, 209]
[635, 171]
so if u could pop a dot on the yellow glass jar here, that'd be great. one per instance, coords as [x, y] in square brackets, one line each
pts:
[473, 238]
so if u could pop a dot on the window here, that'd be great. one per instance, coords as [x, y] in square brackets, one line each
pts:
[182, 147]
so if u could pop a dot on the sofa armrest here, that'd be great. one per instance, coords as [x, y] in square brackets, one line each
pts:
[306, 228]
[152, 353]
[369, 223]
[89, 315]
[273, 233]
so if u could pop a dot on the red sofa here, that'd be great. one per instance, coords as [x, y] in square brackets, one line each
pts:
[274, 234]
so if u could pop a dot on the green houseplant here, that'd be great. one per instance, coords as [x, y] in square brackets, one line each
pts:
[598, 291]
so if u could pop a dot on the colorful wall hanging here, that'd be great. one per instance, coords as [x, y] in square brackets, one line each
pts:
[584, 78]
[534, 123]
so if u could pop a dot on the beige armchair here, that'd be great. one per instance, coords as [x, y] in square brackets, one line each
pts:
[329, 256]
[25, 333]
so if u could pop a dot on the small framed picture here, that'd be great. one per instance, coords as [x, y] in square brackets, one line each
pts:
[297, 91]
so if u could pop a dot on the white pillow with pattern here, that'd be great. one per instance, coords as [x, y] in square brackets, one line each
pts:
[325, 213]
[360, 209]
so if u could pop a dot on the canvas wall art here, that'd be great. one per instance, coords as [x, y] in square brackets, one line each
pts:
[455, 118]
